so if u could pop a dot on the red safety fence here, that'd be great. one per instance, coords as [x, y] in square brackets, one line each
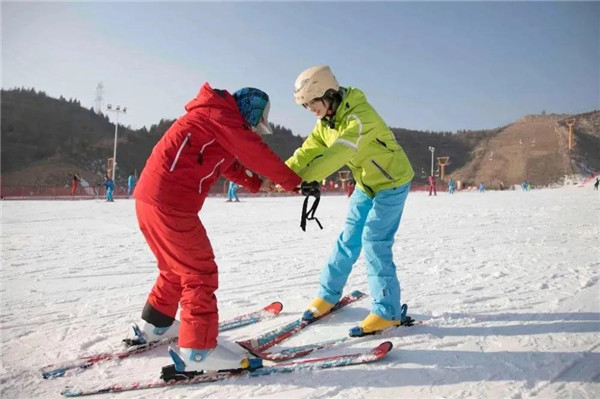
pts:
[49, 192]
[589, 179]
[99, 192]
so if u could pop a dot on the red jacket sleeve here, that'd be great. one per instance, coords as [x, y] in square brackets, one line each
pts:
[243, 176]
[254, 154]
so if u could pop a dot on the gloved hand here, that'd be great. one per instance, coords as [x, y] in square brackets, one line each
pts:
[312, 188]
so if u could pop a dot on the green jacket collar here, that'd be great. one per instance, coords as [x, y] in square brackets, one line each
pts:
[350, 98]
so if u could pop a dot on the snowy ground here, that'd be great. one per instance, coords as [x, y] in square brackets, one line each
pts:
[507, 283]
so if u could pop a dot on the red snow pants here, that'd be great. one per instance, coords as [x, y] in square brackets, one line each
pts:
[188, 274]
[74, 188]
[432, 188]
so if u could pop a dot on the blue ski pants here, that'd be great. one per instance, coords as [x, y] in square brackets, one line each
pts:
[109, 194]
[232, 193]
[371, 224]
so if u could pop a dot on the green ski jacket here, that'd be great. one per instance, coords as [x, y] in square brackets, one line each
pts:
[359, 138]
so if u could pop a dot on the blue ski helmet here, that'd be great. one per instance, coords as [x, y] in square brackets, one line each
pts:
[254, 105]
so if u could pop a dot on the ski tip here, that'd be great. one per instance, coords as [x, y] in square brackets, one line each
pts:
[275, 308]
[383, 348]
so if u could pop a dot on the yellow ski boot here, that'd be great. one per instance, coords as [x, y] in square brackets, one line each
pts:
[373, 324]
[317, 308]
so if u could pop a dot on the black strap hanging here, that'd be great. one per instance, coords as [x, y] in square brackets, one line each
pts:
[310, 190]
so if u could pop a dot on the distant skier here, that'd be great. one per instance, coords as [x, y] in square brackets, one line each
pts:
[217, 136]
[110, 186]
[130, 184]
[597, 183]
[451, 186]
[431, 182]
[74, 184]
[232, 192]
[481, 188]
[350, 187]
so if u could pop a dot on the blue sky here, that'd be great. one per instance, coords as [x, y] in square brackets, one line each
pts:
[439, 66]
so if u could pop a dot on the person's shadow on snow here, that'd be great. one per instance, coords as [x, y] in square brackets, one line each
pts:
[406, 367]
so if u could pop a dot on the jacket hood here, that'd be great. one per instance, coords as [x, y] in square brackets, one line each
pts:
[351, 98]
[214, 98]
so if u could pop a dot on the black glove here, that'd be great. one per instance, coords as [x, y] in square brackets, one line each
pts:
[312, 188]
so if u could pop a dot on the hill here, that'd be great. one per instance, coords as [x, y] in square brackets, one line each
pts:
[535, 148]
[45, 140]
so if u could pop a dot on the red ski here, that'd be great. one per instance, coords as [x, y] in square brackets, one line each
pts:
[359, 357]
[58, 370]
[260, 344]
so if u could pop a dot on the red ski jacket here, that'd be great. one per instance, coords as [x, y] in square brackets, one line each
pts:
[210, 140]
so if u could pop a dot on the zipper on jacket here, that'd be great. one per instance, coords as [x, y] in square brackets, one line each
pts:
[384, 145]
[386, 174]
[209, 175]
[201, 153]
[185, 141]
[311, 161]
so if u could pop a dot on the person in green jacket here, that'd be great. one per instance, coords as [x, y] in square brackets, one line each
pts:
[350, 132]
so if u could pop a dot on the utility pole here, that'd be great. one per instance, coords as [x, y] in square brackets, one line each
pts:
[117, 109]
[432, 149]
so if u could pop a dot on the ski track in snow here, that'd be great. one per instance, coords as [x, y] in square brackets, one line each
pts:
[507, 284]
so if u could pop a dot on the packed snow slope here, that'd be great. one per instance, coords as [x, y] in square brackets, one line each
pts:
[506, 283]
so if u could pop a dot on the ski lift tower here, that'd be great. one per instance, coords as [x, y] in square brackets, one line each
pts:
[344, 177]
[99, 99]
[442, 162]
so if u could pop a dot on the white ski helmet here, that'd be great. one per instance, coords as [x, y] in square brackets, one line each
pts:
[313, 83]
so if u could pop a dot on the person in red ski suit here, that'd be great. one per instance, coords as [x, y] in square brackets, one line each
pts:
[350, 187]
[431, 182]
[216, 137]
[74, 184]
